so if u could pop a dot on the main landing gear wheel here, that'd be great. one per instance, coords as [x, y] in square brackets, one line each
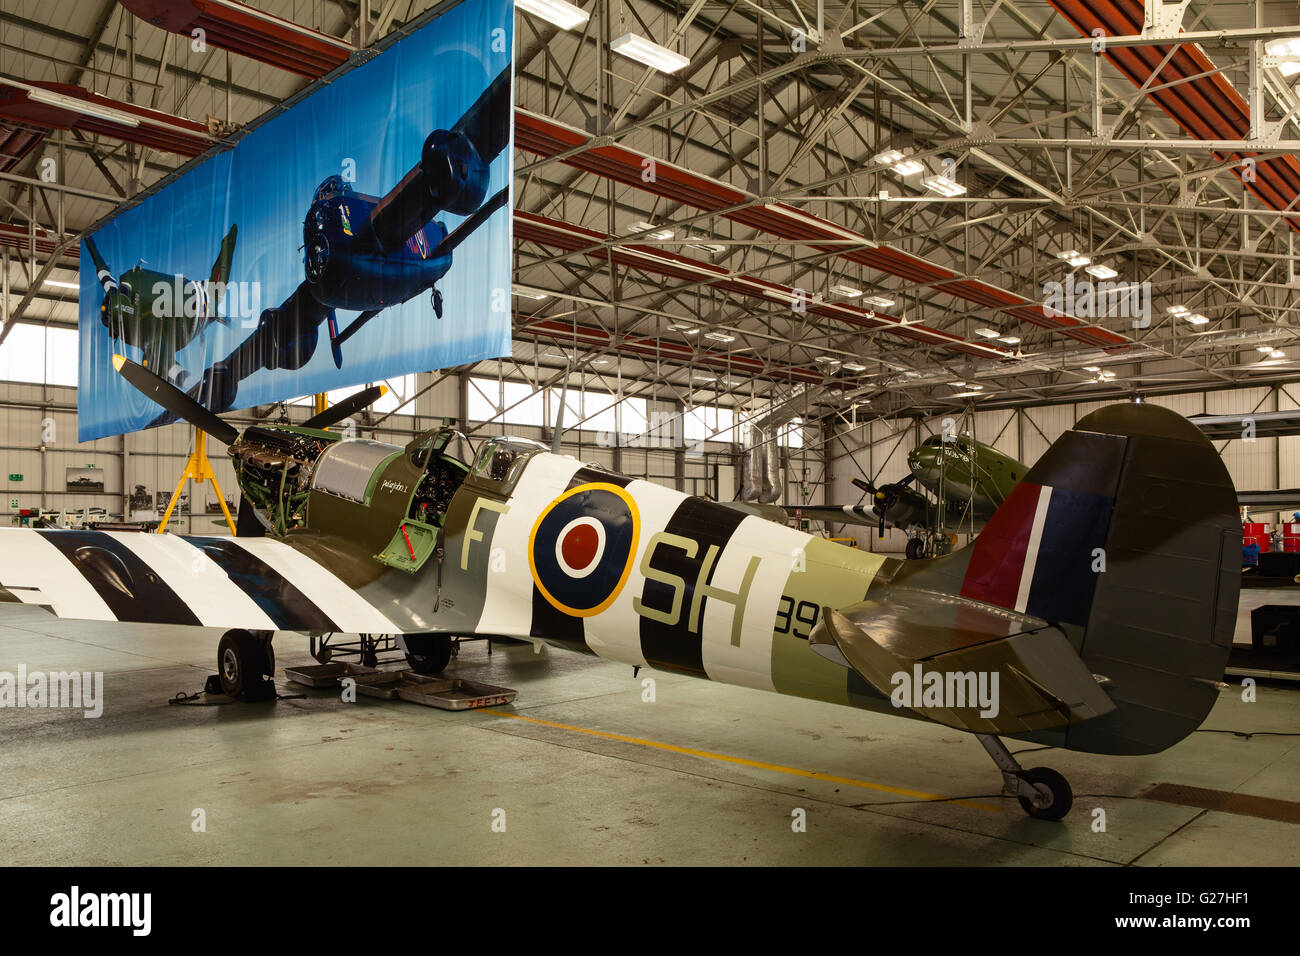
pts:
[915, 548]
[246, 664]
[427, 653]
[1043, 793]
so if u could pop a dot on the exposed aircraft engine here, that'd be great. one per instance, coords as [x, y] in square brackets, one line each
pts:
[274, 467]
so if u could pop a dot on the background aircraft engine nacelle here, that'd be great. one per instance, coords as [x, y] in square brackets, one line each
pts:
[454, 173]
[218, 391]
[286, 338]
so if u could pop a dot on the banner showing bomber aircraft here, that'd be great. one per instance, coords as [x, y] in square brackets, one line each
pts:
[370, 208]
[365, 253]
[160, 314]
[354, 535]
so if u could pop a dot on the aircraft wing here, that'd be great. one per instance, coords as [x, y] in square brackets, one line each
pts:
[841, 514]
[1283, 499]
[1042, 682]
[482, 123]
[254, 583]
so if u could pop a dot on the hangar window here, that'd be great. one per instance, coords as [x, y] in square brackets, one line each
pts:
[512, 403]
[40, 355]
[710, 423]
[400, 388]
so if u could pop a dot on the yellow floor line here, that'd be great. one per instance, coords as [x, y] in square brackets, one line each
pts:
[742, 762]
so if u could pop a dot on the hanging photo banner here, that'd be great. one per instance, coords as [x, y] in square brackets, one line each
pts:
[362, 234]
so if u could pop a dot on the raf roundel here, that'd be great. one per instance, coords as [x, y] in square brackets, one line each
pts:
[582, 548]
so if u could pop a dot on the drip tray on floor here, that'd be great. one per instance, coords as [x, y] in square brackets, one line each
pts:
[452, 693]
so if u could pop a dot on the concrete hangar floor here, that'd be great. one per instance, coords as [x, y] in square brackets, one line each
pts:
[580, 770]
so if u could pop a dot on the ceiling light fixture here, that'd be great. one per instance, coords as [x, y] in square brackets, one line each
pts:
[880, 301]
[1101, 271]
[944, 186]
[84, 107]
[564, 15]
[987, 333]
[648, 53]
[719, 336]
[847, 291]
[898, 162]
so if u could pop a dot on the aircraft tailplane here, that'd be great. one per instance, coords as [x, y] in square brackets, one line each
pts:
[1124, 537]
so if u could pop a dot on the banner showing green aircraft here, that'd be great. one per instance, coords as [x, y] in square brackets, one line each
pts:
[1118, 549]
[161, 313]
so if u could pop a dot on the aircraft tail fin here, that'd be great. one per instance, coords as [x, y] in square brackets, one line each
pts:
[1125, 537]
[225, 258]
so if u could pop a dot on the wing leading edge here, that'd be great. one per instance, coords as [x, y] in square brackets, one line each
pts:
[255, 583]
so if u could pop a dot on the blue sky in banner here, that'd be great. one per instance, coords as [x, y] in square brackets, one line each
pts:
[369, 126]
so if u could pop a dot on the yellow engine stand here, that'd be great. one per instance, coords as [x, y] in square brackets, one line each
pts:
[198, 470]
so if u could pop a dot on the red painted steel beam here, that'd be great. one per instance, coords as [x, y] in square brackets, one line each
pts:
[15, 236]
[1207, 107]
[245, 30]
[146, 127]
[651, 259]
[16, 142]
[545, 137]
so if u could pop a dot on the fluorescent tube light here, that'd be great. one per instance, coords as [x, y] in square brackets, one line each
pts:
[943, 185]
[84, 107]
[564, 15]
[651, 54]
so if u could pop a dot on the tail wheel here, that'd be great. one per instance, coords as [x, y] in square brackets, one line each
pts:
[1062, 797]
[427, 653]
[245, 665]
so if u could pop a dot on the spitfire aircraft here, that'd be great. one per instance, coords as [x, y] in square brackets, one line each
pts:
[968, 480]
[1099, 600]
[365, 253]
[160, 314]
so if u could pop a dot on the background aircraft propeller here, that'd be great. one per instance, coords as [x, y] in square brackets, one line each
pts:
[886, 496]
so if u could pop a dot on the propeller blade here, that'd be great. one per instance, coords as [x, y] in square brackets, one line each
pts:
[903, 483]
[862, 484]
[348, 407]
[880, 529]
[174, 400]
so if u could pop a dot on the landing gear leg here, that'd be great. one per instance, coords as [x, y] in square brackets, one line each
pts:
[437, 302]
[1043, 793]
[246, 665]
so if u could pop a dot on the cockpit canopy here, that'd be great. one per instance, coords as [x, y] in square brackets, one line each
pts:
[940, 441]
[332, 187]
[502, 459]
